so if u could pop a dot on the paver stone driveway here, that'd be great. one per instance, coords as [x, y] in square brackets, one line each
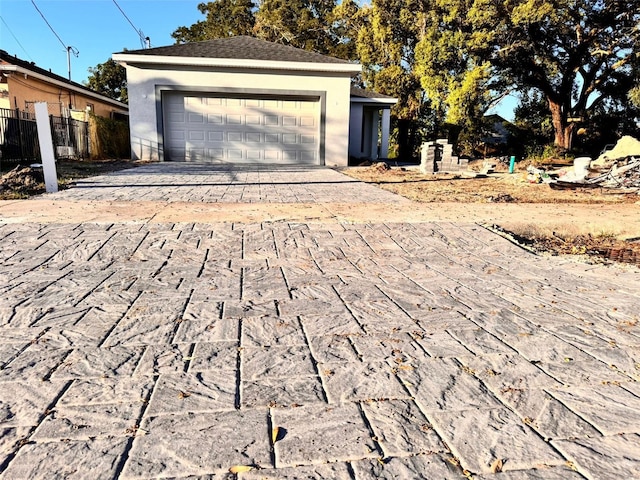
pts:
[300, 346]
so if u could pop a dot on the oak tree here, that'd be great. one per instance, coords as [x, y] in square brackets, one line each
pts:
[578, 54]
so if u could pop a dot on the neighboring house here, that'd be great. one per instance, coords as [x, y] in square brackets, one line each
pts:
[497, 135]
[245, 100]
[22, 84]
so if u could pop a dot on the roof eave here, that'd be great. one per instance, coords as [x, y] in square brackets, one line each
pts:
[374, 100]
[67, 86]
[128, 59]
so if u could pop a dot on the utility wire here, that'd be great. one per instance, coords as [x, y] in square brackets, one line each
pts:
[68, 48]
[15, 38]
[143, 39]
[45, 21]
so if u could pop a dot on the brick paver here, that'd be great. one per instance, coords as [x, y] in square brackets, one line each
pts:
[308, 350]
[175, 182]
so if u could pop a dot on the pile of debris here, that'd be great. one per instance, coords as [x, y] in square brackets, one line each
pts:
[21, 180]
[617, 168]
[380, 167]
[624, 174]
[627, 146]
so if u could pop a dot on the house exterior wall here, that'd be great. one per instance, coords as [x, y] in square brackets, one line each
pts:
[22, 90]
[369, 128]
[356, 131]
[146, 84]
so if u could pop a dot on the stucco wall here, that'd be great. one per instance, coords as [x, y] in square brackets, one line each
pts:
[355, 130]
[143, 111]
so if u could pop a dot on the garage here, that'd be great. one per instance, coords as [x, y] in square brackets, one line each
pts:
[232, 129]
[238, 100]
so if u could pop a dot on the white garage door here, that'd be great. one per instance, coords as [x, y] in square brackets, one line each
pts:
[241, 130]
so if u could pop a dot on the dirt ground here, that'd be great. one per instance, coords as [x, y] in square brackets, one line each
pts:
[598, 222]
[23, 181]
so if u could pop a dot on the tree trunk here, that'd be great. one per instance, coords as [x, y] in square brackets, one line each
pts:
[563, 130]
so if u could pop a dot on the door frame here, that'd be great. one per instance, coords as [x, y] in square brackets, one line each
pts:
[163, 90]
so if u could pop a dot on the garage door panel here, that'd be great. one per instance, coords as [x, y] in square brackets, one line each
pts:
[177, 135]
[290, 156]
[241, 129]
[307, 121]
[196, 135]
[234, 154]
[174, 118]
[308, 157]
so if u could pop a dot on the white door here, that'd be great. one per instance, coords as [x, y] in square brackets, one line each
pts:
[241, 130]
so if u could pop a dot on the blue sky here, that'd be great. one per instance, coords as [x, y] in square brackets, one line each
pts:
[95, 27]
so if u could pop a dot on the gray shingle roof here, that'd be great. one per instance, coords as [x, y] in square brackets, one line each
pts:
[239, 48]
[362, 93]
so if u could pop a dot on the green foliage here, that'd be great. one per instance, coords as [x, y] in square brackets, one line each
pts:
[577, 54]
[110, 138]
[540, 153]
[223, 18]
[305, 24]
[533, 123]
[449, 61]
[109, 79]
[388, 31]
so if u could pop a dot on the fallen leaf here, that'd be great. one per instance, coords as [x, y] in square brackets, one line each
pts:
[496, 466]
[240, 469]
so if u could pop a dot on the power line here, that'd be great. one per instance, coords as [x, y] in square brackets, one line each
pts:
[144, 41]
[15, 38]
[70, 50]
[48, 24]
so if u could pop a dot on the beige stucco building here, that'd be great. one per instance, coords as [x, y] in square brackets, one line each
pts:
[23, 83]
